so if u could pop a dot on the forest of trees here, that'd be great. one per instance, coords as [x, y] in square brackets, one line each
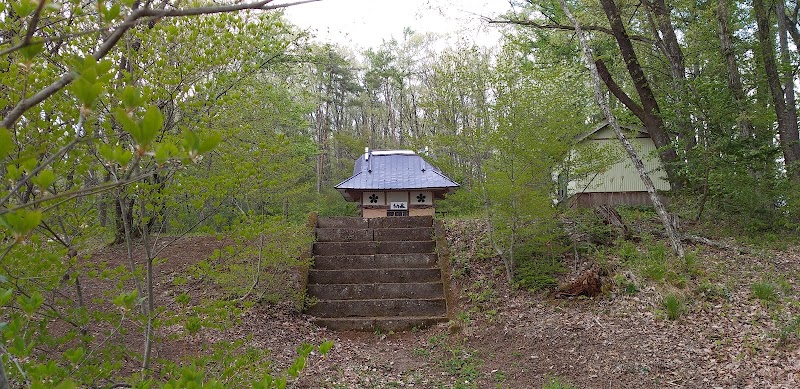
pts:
[126, 120]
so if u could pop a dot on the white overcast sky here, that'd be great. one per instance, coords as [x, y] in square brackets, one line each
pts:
[366, 23]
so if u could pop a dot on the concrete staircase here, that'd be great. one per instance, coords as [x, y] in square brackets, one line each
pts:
[376, 274]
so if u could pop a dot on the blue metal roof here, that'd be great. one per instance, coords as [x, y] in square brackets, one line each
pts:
[393, 170]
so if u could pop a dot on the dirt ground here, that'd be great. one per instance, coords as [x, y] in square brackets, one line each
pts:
[508, 338]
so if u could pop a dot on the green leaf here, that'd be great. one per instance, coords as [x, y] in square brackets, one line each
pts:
[209, 143]
[28, 164]
[23, 8]
[29, 305]
[5, 296]
[13, 172]
[297, 366]
[122, 156]
[75, 355]
[151, 124]
[23, 221]
[193, 325]
[131, 98]
[44, 179]
[19, 348]
[190, 140]
[89, 72]
[128, 124]
[106, 151]
[305, 349]
[116, 154]
[325, 347]
[31, 50]
[103, 67]
[67, 384]
[165, 151]
[52, 6]
[112, 13]
[126, 300]
[6, 142]
[86, 91]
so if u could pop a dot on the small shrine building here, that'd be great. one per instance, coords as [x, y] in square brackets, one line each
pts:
[395, 183]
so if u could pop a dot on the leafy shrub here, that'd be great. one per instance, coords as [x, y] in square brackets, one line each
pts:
[535, 274]
[754, 203]
[712, 292]
[331, 204]
[788, 331]
[764, 291]
[262, 263]
[673, 305]
[628, 252]
[585, 226]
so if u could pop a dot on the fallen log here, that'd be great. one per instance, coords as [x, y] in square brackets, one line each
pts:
[716, 243]
[706, 241]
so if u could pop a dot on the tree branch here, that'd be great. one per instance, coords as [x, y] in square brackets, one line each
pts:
[562, 27]
[34, 22]
[120, 31]
[615, 89]
[38, 169]
[66, 196]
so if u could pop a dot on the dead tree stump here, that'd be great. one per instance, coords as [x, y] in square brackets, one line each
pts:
[588, 284]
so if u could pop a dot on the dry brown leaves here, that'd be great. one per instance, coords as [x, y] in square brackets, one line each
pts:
[517, 339]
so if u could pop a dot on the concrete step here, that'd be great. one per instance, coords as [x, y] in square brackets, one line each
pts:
[411, 247]
[400, 222]
[385, 307]
[377, 261]
[345, 248]
[417, 290]
[342, 222]
[404, 234]
[390, 323]
[377, 234]
[345, 234]
[368, 248]
[373, 276]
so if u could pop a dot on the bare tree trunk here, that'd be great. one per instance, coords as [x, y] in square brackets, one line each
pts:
[320, 139]
[650, 112]
[677, 246]
[148, 342]
[665, 35]
[732, 67]
[129, 247]
[123, 212]
[788, 81]
[787, 128]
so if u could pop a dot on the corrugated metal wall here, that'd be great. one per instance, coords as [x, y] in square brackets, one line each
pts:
[622, 176]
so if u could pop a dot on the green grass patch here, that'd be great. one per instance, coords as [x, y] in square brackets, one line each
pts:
[557, 383]
[463, 365]
[673, 306]
[764, 291]
[537, 274]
